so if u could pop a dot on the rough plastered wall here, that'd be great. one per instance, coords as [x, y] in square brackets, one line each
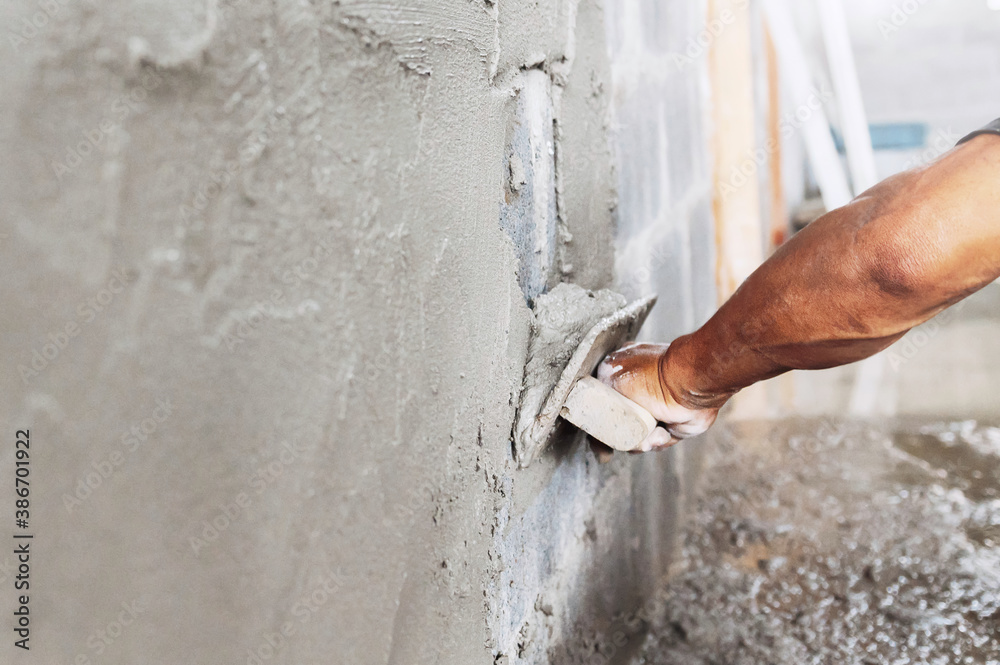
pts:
[266, 273]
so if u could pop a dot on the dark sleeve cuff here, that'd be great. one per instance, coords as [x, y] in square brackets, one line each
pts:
[992, 128]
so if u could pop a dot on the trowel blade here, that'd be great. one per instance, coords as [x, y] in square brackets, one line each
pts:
[605, 336]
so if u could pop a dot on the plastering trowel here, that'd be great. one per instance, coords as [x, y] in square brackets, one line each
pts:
[573, 330]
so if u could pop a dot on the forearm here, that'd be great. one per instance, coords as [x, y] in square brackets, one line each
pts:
[852, 282]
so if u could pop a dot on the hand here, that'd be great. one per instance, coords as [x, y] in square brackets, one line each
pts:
[643, 373]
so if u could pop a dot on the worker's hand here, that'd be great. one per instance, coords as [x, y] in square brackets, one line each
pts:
[642, 372]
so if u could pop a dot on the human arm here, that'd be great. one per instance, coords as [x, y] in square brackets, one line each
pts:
[847, 286]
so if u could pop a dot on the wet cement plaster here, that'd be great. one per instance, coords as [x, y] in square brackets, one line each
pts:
[267, 333]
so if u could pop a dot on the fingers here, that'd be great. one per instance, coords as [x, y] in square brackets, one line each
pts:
[658, 439]
[633, 358]
[607, 371]
[696, 423]
[634, 371]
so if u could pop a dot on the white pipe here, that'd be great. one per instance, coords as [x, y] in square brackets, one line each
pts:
[843, 70]
[815, 128]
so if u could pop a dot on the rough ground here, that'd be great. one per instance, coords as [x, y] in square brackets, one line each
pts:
[831, 542]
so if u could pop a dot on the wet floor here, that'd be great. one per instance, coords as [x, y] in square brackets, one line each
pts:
[825, 541]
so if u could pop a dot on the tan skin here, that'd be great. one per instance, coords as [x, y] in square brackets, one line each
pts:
[847, 286]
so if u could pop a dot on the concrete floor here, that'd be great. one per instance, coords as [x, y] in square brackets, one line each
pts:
[828, 541]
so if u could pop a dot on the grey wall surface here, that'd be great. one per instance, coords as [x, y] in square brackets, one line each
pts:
[265, 281]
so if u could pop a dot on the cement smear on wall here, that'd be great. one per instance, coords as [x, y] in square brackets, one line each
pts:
[268, 337]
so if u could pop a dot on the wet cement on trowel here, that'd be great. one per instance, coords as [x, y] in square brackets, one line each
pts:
[831, 542]
[561, 319]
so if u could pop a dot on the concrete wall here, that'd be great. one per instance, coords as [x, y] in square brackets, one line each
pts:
[267, 268]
